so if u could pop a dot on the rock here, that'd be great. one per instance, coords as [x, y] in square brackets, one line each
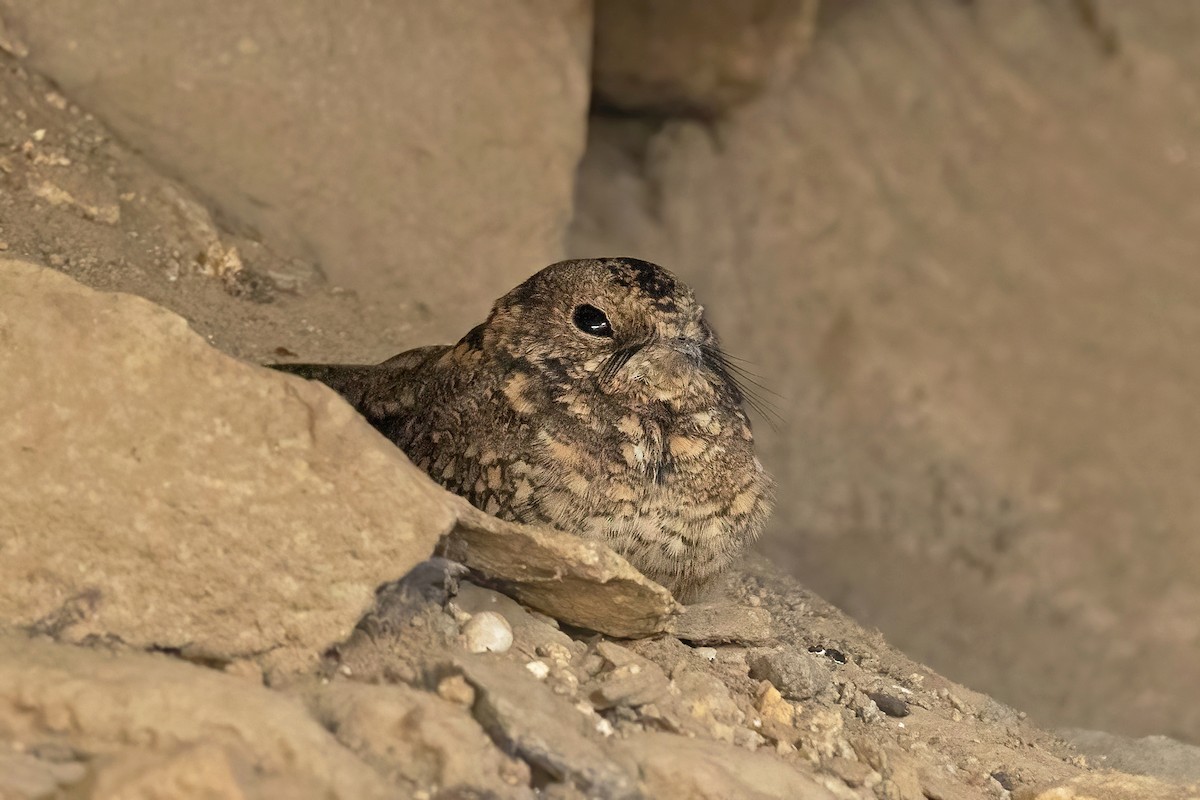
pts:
[723, 623]
[531, 636]
[149, 715]
[797, 675]
[543, 729]
[889, 704]
[159, 492]
[1157, 756]
[707, 59]
[578, 581]
[202, 770]
[418, 740]
[391, 157]
[630, 681]
[704, 701]
[677, 768]
[26, 776]
[774, 709]
[1109, 786]
[455, 689]
[487, 632]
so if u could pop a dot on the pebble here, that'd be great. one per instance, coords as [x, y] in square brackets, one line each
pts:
[540, 669]
[487, 632]
[455, 689]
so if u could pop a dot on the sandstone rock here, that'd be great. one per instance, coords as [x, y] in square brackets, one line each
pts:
[418, 740]
[148, 718]
[202, 770]
[574, 580]
[157, 491]
[676, 768]
[375, 140]
[797, 674]
[1111, 786]
[27, 777]
[704, 701]
[630, 680]
[722, 623]
[672, 56]
[544, 730]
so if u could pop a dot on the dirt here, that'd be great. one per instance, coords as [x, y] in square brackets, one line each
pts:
[127, 227]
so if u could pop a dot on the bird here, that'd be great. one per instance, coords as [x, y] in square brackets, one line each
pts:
[594, 399]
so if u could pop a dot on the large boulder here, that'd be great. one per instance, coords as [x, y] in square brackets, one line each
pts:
[414, 147]
[159, 492]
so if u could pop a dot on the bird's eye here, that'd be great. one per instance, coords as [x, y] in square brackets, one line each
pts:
[592, 321]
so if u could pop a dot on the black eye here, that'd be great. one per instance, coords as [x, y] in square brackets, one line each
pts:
[592, 320]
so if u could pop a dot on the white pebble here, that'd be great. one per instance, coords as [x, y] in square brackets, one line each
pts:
[540, 669]
[488, 632]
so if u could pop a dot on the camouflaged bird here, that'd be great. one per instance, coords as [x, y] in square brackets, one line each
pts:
[594, 399]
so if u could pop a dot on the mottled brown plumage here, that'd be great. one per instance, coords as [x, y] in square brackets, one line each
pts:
[595, 399]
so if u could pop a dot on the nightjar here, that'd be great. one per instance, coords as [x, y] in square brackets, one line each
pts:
[595, 399]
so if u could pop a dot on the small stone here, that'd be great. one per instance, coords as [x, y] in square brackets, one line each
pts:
[539, 669]
[853, 773]
[889, 704]
[797, 674]
[3, 245]
[633, 681]
[771, 705]
[455, 689]
[488, 632]
[723, 623]
[559, 655]
[1001, 777]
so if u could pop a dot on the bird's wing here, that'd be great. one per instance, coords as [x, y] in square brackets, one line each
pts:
[371, 388]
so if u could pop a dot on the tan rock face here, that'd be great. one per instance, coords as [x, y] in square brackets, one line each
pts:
[160, 492]
[970, 297]
[672, 56]
[572, 579]
[152, 723]
[415, 146]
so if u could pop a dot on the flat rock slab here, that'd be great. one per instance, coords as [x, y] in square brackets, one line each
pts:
[577, 581]
[723, 623]
[543, 729]
[160, 492]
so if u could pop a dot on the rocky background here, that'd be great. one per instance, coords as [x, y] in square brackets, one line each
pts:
[956, 240]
